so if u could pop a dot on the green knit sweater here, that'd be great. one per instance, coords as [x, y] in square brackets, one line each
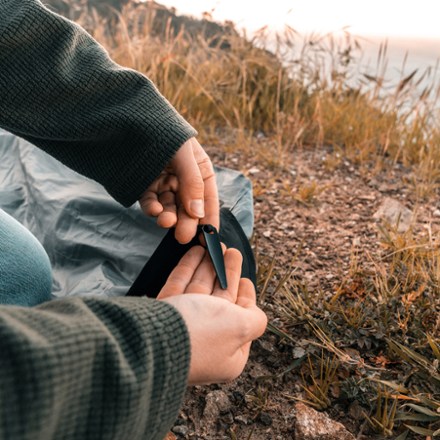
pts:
[60, 90]
[87, 368]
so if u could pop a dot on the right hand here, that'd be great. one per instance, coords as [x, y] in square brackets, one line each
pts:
[221, 323]
[185, 193]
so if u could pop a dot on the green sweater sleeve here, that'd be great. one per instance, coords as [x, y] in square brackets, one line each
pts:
[60, 90]
[91, 369]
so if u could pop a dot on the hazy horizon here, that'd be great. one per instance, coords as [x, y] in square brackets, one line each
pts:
[416, 48]
[390, 18]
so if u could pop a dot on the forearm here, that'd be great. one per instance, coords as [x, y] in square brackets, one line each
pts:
[60, 90]
[91, 368]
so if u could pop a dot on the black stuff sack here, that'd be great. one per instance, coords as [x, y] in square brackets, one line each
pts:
[169, 252]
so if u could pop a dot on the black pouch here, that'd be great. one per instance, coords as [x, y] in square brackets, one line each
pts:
[169, 252]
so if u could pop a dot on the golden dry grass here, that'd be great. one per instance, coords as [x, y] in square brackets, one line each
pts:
[293, 94]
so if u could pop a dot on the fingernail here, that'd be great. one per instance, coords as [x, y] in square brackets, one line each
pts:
[197, 208]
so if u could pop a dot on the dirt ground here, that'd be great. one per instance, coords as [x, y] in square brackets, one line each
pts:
[338, 217]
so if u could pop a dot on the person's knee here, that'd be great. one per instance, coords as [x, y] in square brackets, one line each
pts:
[25, 270]
[41, 276]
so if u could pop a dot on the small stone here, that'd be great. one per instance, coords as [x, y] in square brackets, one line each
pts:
[355, 411]
[217, 402]
[267, 234]
[396, 214]
[313, 425]
[356, 241]
[241, 419]
[181, 430]
[367, 197]
[238, 397]
[254, 170]
[436, 213]
[298, 352]
[228, 418]
[265, 418]
[266, 346]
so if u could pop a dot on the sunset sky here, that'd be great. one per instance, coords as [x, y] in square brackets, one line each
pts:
[407, 18]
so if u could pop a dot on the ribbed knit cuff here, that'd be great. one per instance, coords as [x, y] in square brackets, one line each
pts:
[168, 131]
[171, 353]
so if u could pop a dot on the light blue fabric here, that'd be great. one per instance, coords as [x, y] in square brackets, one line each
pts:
[25, 270]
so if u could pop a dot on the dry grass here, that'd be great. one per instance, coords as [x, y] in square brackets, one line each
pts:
[301, 93]
[383, 327]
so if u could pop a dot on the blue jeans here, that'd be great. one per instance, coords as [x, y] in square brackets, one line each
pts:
[25, 271]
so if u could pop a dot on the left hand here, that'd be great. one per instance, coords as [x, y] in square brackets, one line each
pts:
[195, 274]
[221, 323]
[185, 193]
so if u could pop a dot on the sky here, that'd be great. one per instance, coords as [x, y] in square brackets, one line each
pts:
[394, 18]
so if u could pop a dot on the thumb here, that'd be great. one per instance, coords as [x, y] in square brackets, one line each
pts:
[256, 318]
[191, 185]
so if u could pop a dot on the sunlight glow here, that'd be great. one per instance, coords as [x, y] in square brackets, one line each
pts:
[400, 18]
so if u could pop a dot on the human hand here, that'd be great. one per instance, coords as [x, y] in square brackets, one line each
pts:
[185, 193]
[221, 323]
[195, 274]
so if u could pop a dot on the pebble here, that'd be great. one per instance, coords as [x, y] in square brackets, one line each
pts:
[241, 419]
[298, 352]
[266, 346]
[181, 430]
[395, 213]
[313, 425]
[228, 418]
[238, 397]
[254, 170]
[216, 402]
[265, 418]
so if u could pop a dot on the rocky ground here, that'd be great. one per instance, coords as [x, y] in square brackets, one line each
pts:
[320, 211]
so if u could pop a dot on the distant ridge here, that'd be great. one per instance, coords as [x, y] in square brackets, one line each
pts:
[164, 18]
